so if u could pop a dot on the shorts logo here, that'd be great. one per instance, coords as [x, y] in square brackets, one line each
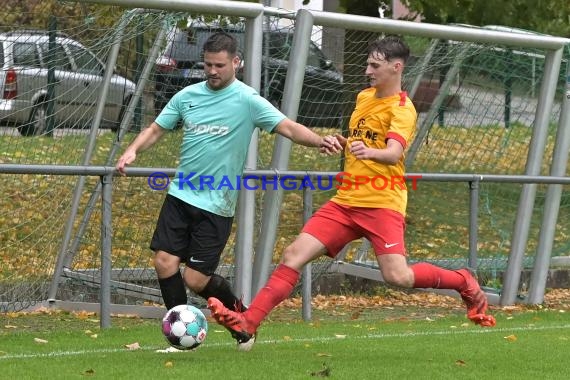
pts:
[193, 260]
[386, 245]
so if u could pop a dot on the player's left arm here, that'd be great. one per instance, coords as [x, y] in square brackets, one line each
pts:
[400, 133]
[390, 155]
[302, 135]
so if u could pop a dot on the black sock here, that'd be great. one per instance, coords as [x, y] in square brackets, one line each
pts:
[220, 288]
[173, 290]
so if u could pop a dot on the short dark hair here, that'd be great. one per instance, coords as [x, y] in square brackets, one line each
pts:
[221, 41]
[390, 47]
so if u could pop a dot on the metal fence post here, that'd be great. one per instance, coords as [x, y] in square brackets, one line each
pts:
[473, 223]
[307, 270]
[106, 238]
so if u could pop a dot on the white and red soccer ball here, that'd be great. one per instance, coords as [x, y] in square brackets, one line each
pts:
[184, 327]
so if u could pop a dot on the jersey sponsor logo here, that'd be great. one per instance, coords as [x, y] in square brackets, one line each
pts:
[364, 134]
[202, 129]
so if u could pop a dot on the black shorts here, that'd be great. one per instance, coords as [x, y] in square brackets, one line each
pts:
[197, 236]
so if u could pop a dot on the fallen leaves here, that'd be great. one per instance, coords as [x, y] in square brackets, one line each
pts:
[133, 346]
[83, 314]
[390, 299]
[511, 338]
[325, 372]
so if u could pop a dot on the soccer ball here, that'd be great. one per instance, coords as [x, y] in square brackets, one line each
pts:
[184, 327]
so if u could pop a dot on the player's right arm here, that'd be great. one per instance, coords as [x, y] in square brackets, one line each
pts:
[147, 138]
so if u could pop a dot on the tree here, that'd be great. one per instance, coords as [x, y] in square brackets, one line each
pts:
[543, 16]
[549, 17]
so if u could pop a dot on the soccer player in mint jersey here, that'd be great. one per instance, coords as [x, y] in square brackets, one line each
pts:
[382, 125]
[219, 116]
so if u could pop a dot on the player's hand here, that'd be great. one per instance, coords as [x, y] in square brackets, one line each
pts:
[126, 159]
[341, 140]
[360, 150]
[329, 145]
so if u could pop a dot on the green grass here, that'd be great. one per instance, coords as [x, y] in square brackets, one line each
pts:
[386, 343]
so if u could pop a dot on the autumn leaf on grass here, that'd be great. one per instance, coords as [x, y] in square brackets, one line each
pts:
[511, 338]
[325, 372]
[38, 340]
[89, 372]
[133, 346]
[460, 362]
[43, 310]
[83, 314]
[168, 364]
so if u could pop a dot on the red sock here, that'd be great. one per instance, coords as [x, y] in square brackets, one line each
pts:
[431, 276]
[277, 288]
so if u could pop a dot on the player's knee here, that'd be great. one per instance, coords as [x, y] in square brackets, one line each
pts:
[288, 254]
[165, 264]
[291, 257]
[398, 278]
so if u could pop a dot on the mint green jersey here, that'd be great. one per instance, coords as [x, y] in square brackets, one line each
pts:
[217, 129]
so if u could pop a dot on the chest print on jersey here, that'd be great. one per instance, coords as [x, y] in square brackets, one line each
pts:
[196, 129]
[364, 132]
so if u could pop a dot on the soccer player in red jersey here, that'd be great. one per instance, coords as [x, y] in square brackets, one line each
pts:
[381, 127]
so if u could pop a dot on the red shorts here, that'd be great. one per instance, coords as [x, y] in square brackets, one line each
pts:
[337, 225]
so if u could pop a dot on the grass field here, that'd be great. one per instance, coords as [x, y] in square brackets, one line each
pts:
[343, 341]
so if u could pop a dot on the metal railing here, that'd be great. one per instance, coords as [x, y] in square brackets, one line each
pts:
[106, 174]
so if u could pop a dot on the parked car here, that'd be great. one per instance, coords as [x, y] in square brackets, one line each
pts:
[181, 64]
[77, 81]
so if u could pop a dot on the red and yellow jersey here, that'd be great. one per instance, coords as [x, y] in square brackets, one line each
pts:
[366, 183]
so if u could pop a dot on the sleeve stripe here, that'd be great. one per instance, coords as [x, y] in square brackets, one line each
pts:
[397, 137]
[403, 96]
